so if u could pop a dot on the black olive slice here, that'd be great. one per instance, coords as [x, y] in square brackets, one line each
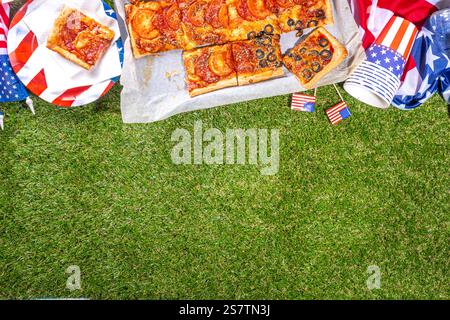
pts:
[323, 42]
[325, 54]
[261, 33]
[291, 22]
[263, 64]
[303, 50]
[260, 54]
[271, 57]
[307, 74]
[264, 40]
[299, 25]
[316, 67]
[297, 58]
[299, 33]
[268, 29]
[319, 13]
[251, 35]
[313, 23]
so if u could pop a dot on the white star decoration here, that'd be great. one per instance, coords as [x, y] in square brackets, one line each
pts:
[387, 60]
[426, 34]
[383, 52]
[378, 62]
[431, 58]
[374, 55]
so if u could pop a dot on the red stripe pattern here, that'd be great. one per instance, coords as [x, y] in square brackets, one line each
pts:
[303, 102]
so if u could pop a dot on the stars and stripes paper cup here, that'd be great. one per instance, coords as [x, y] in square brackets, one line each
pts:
[378, 78]
[49, 75]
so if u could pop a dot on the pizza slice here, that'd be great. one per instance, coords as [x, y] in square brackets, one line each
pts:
[79, 38]
[315, 57]
[209, 69]
[204, 22]
[258, 59]
[250, 19]
[302, 14]
[154, 27]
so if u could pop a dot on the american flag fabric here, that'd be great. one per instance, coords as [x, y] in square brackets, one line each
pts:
[11, 89]
[427, 70]
[338, 113]
[303, 102]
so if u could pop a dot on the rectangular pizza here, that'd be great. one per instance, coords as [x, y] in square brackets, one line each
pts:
[204, 22]
[314, 57]
[154, 27]
[79, 38]
[250, 19]
[209, 69]
[258, 59]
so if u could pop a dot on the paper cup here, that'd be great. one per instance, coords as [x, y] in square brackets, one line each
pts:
[377, 80]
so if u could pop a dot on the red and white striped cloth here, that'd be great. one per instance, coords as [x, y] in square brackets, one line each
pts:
[399, 35]
[4, 24]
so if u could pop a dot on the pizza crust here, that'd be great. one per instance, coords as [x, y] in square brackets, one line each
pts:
[53, 41]
[226, 83]
[129, 13]
[246, 79]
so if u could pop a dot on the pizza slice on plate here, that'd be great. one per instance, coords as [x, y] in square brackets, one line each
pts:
[315, 57]
[250, 19]
[204, 22]
[209, 69]
[302, 14]
[79, 38]
[258, 59]
[154, 26]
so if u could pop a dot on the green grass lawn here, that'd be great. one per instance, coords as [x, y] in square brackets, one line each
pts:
[78, 187]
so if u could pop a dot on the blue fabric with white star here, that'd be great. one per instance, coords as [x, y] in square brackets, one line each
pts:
[387, 58]
[433, 66]
[11, 89]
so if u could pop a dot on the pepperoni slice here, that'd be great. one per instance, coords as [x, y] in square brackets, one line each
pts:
[284, 3]
[245, 58]
[196, 13]
[258, 8]
[218, 63]
[244, 11]
[143, 24]
[172, 15]
[202, 69]
[217, 14]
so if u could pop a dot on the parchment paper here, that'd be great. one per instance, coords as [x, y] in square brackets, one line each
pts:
[154, 88]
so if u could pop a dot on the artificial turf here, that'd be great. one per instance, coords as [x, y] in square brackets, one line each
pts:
[78, 187]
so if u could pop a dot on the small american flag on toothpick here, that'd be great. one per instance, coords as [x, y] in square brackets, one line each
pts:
[338, 112]
[303, 102]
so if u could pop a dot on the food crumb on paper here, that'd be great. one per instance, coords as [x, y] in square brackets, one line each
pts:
[170, 75]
